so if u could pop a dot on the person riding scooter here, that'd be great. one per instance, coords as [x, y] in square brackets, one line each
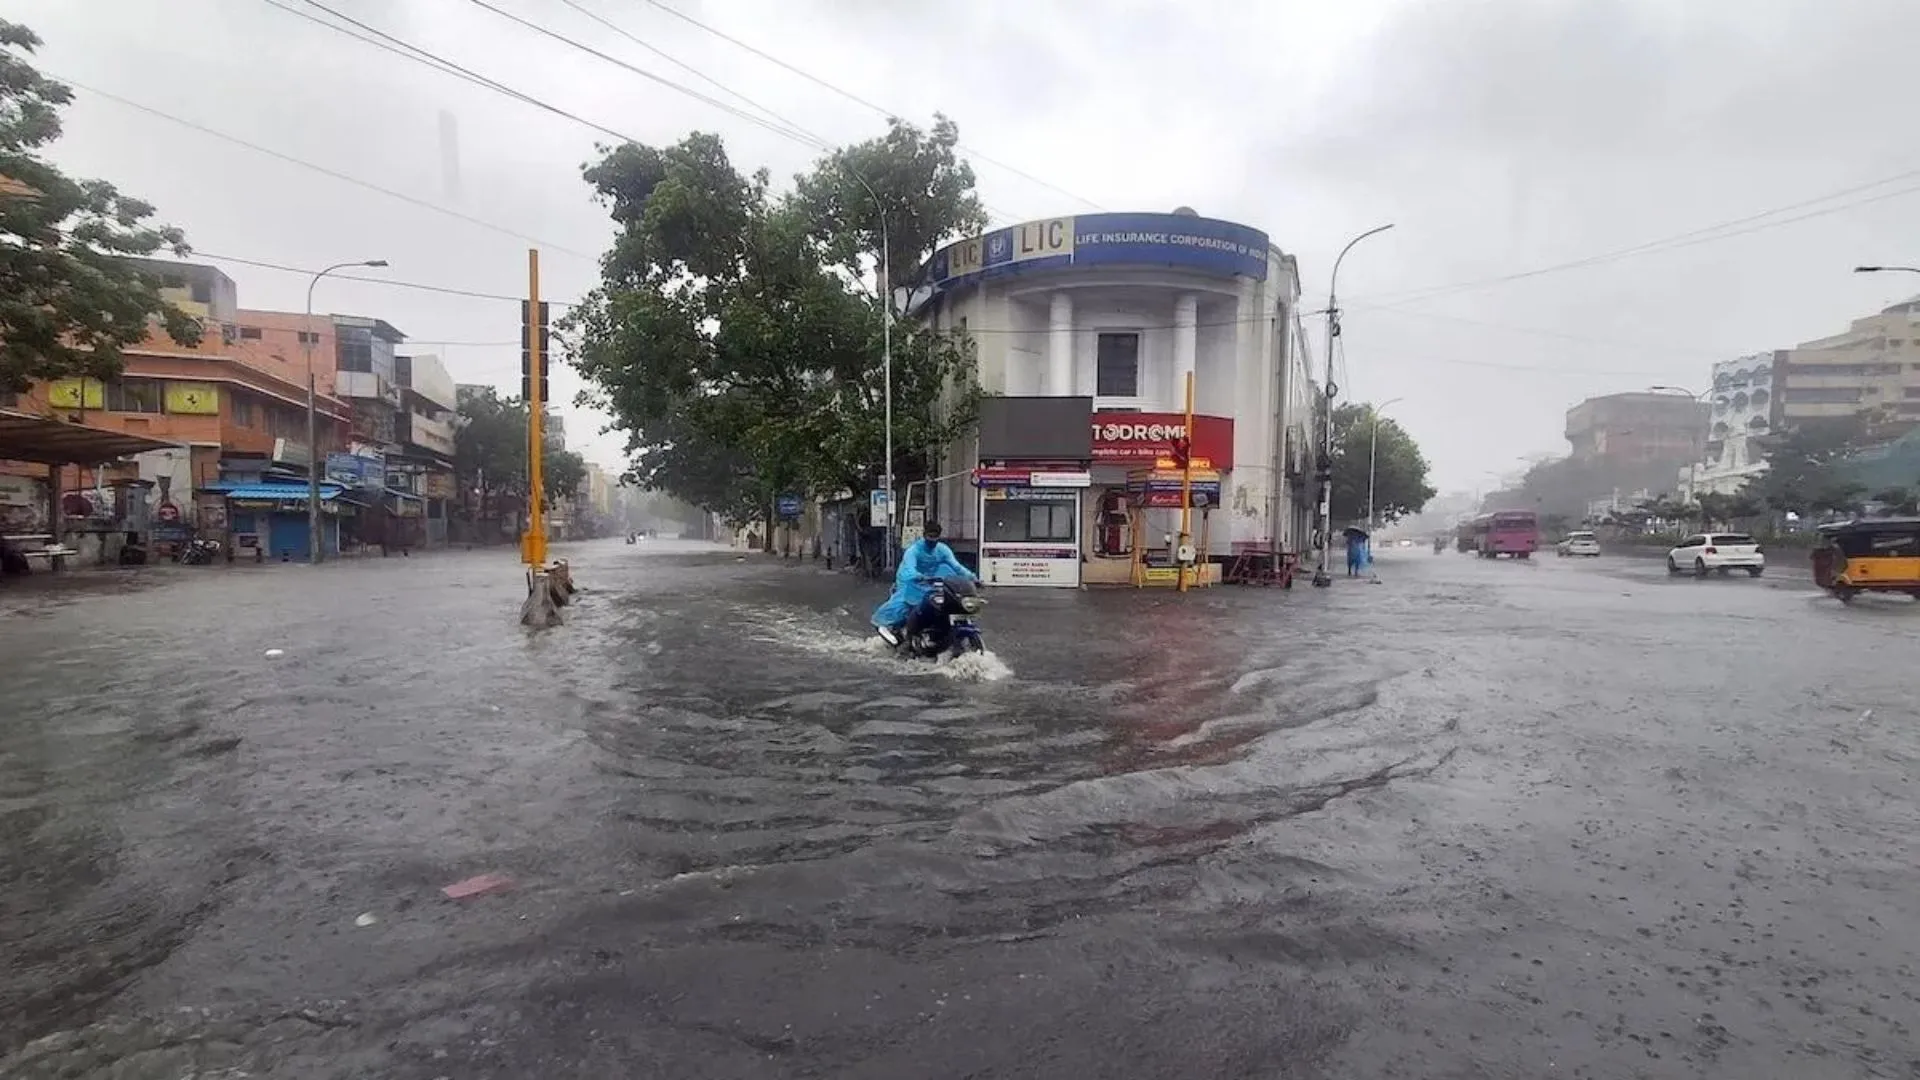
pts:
[899, 619]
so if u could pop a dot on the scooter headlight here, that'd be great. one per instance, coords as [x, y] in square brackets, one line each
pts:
[972, 604]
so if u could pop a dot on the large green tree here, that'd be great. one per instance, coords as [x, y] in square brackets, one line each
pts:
[1400, 485]
[490, 450]
[736, 334]
[70, 302]
[1803, 474]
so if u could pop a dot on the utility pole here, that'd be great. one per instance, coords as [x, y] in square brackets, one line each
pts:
[314, 460]
[1321, 577]
[1373, 454]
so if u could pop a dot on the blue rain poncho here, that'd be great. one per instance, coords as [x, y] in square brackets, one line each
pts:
[919, 560]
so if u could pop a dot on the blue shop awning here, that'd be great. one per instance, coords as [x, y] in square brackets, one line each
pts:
[274, 492]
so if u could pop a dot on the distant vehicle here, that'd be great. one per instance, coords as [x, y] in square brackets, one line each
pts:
[1406, 543]
[1506, 532]
[1721, 553]
[1578, 543]
[1463, 537]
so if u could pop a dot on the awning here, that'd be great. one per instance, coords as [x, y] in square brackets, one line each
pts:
[49, 441]
[278, 492]
[397, 493]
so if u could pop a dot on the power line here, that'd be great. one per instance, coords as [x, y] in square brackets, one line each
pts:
[707, 99]
[384, 41]
[1706, 234]
[1388, 309]
[778, 125]
[609, 24]
[419, 286]
[1339, 347]
[321, 169]
[858, 100]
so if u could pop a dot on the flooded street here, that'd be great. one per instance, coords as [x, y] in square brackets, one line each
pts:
[1559, 818]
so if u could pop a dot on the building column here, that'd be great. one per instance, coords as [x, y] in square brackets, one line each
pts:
[1186, 343]
[1060, 346]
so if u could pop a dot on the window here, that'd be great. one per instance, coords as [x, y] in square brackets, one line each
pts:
[1730, 539]
[1050, 521]
[1809, 395]
[1117, 365]
[133, 395]
[309, 337]
[1031, 520]
[242, 411]
[249, 333]
[201, 292]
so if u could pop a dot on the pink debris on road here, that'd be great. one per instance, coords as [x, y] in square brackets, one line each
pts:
[478, 886]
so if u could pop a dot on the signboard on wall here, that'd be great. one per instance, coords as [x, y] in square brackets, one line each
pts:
[1187, 241]
[1143, 438]
[1057, 567]
[77, 394]
[191, 398]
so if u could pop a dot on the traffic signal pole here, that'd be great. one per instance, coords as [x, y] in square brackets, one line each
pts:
[533, 546]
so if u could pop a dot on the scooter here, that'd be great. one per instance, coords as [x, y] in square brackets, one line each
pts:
[947, 624]
[200, 552]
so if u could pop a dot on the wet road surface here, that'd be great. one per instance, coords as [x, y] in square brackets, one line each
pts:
[1559, 818]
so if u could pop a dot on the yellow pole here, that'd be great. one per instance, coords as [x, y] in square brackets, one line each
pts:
[536, 545]
[1186, 491]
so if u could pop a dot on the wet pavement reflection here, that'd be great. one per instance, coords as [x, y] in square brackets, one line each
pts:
[1511, 819]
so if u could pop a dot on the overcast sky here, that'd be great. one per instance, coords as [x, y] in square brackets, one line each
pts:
[1501, 137]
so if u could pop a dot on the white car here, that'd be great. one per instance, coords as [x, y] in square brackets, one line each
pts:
[1721, 553]
[1580, 543]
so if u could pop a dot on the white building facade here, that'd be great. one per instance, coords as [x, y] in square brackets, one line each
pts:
[1743, 407]
[1118, 310]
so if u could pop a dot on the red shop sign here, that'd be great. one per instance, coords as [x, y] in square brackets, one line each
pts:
[1141, 438]
[1001, 476]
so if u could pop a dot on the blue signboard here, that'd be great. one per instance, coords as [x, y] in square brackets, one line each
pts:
[1183, 241]
[788, 506]
[354, 471]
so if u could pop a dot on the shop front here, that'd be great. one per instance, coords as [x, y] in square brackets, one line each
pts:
[1135, 495]
[1030, 524]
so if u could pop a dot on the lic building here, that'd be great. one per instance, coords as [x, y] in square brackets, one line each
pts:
[1085, 330]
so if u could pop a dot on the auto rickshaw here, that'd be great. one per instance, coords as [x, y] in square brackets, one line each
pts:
[1868, 555]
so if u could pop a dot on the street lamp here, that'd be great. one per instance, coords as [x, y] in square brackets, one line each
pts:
[1886, 269]
[1321, 577]
[886, 351]
[1693, 463]
[1373, 453]
[307, 337]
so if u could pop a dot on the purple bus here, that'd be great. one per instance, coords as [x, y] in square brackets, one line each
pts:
[1506, 532]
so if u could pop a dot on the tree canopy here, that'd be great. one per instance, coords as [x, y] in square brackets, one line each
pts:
[736, 334]
[70, 302]
[490, 449]
[1399, 469]
[1802, 474]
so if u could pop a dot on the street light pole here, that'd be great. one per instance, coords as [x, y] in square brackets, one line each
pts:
[307, 337]
[1373, 454]
[886, 353]
[1320, 576]
[1693, 463]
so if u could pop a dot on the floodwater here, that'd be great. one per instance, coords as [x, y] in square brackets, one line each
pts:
[1557, 818]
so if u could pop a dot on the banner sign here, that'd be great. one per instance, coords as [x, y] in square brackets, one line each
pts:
[1183, 241]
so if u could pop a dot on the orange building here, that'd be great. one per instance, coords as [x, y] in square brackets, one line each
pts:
[236, 402]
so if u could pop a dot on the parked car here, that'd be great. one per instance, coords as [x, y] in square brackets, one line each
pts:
[1720, 553]
[1579, 543]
